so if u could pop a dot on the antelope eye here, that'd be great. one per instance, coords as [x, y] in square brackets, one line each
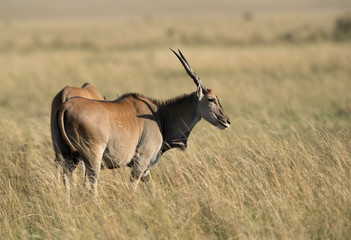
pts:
[211, 100]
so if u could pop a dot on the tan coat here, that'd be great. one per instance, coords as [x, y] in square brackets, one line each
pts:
[133, 130]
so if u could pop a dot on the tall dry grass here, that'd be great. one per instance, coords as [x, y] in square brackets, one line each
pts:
[281, 171]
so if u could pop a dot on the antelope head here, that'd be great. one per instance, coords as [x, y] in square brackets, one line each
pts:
[208, 105]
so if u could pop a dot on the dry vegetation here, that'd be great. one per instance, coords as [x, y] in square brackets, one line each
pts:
[281, 171]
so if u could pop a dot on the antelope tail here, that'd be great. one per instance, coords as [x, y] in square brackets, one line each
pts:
[61, 123]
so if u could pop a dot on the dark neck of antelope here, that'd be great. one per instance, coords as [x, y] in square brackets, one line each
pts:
[178, 118]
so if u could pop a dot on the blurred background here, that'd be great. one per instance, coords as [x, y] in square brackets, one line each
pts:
[109, 8]
[228, 39]
[282, 69]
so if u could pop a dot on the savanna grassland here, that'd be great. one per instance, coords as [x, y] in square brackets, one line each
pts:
[282, 171]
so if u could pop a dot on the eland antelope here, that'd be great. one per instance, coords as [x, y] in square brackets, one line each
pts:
[132, 130]
[86, 91]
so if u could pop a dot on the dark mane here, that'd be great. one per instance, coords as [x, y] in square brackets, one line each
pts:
[159, 103]
[126, 95]
[171, 101]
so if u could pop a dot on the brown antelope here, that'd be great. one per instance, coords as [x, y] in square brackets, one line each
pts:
[132, 130]
[86, 91]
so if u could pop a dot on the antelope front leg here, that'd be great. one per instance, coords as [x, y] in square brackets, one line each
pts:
[138, 175]
[146, 176]
[140, 169]
[146, 156]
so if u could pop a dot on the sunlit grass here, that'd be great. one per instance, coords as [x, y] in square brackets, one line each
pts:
[281, 171]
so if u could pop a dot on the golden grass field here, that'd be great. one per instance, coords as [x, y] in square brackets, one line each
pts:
[282, 171]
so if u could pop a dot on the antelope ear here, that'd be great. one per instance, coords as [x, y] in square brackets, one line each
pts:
[199, 93]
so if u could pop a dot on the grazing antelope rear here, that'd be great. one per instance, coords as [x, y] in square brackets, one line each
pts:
[86, 91]
[132, 130]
